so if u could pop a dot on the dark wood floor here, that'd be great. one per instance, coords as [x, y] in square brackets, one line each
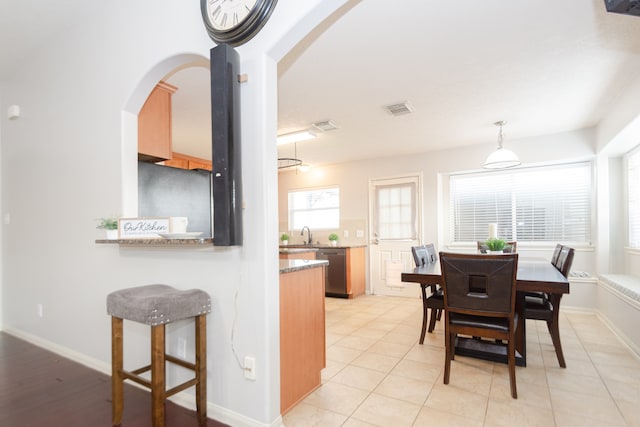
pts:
[40, 388]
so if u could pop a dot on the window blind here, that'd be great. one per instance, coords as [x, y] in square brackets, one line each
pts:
[534, 204]
[633, 197]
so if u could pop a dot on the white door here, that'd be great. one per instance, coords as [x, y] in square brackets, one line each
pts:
[395, 217]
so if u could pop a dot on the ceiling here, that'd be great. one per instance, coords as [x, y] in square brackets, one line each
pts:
[543, 66]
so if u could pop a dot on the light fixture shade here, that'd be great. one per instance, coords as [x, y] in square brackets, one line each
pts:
[501, 159]
[290, 138]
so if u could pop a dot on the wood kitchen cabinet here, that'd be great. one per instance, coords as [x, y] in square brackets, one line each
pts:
[154, 125]
[286, 253]
[184, 161]
[302, 331]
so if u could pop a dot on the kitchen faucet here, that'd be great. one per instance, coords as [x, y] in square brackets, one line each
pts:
[310, 240]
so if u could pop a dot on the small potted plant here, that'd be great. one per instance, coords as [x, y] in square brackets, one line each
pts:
[496, 245]
[284, 238]
[110, 225]
[333, 238]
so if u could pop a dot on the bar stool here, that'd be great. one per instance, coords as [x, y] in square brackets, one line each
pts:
[158, 305]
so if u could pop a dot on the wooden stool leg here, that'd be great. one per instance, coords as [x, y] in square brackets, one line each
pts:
[117, 381]
[201, 369]
[157, 375]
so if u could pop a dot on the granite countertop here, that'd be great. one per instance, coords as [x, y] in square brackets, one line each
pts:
[322, 246]
[159, 242]
[291, 265]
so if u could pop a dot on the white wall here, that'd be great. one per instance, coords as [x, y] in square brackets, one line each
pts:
[70, 159]
[353, 179]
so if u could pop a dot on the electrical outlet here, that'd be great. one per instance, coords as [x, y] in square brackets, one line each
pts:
[250, 368]
[359, 234]
[182, 348]
[345, 233]
[40, 310]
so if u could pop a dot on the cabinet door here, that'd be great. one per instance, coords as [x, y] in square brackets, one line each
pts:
[356, 279]
[154, 125]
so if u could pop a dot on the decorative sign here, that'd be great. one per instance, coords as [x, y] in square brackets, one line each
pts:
[142, 228]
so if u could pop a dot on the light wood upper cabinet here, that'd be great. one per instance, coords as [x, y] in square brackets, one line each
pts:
[154, 125]
[184, 161]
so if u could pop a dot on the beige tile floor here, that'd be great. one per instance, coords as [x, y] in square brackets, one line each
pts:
[378, 375]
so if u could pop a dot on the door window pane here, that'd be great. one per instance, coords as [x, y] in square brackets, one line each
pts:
[396, 212]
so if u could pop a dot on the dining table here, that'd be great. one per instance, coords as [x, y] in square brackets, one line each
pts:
[533, 275]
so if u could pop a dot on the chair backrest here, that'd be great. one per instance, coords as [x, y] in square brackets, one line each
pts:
[482, 285]
[482, 247]
[556, 253]
[565, 259]
[420, 255]
[432, 255]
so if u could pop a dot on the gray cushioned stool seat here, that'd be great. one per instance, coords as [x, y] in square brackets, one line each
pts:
[157, 304]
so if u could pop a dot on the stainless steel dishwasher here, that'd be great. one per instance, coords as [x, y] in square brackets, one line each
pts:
[336, 278]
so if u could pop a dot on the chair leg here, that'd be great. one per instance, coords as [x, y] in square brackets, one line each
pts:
[447, 356]
[117, 380]
[435, 314]
[201, 369]
[157, 375]
[511, 346]
[424, 313]
[554, 329]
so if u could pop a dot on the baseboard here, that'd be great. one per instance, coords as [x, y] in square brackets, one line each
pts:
[183, 398]
[618, 333]
[223, 414]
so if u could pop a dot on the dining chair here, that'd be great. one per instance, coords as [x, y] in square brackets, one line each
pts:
[480, 300]
[423, 255]
[482, 247]
[511, 247]
[419, 255]
[546, 307]
[556, 252]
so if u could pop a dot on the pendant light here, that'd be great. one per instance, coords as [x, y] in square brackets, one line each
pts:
[501, 158]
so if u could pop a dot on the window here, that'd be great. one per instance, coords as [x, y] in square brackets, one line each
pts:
[318, 209]
[396, 211]
[547, 204]
[633, 197]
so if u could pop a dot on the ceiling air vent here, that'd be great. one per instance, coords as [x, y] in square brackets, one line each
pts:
[400, 108]
[325, 125]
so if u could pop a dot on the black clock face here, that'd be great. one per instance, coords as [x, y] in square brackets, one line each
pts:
[235, 21]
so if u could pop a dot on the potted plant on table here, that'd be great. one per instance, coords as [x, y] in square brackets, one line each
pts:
[496, 245]
[284, 238]
[333, 239]
[111, 226]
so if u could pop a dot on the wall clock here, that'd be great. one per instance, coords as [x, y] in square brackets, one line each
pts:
[235, 21]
